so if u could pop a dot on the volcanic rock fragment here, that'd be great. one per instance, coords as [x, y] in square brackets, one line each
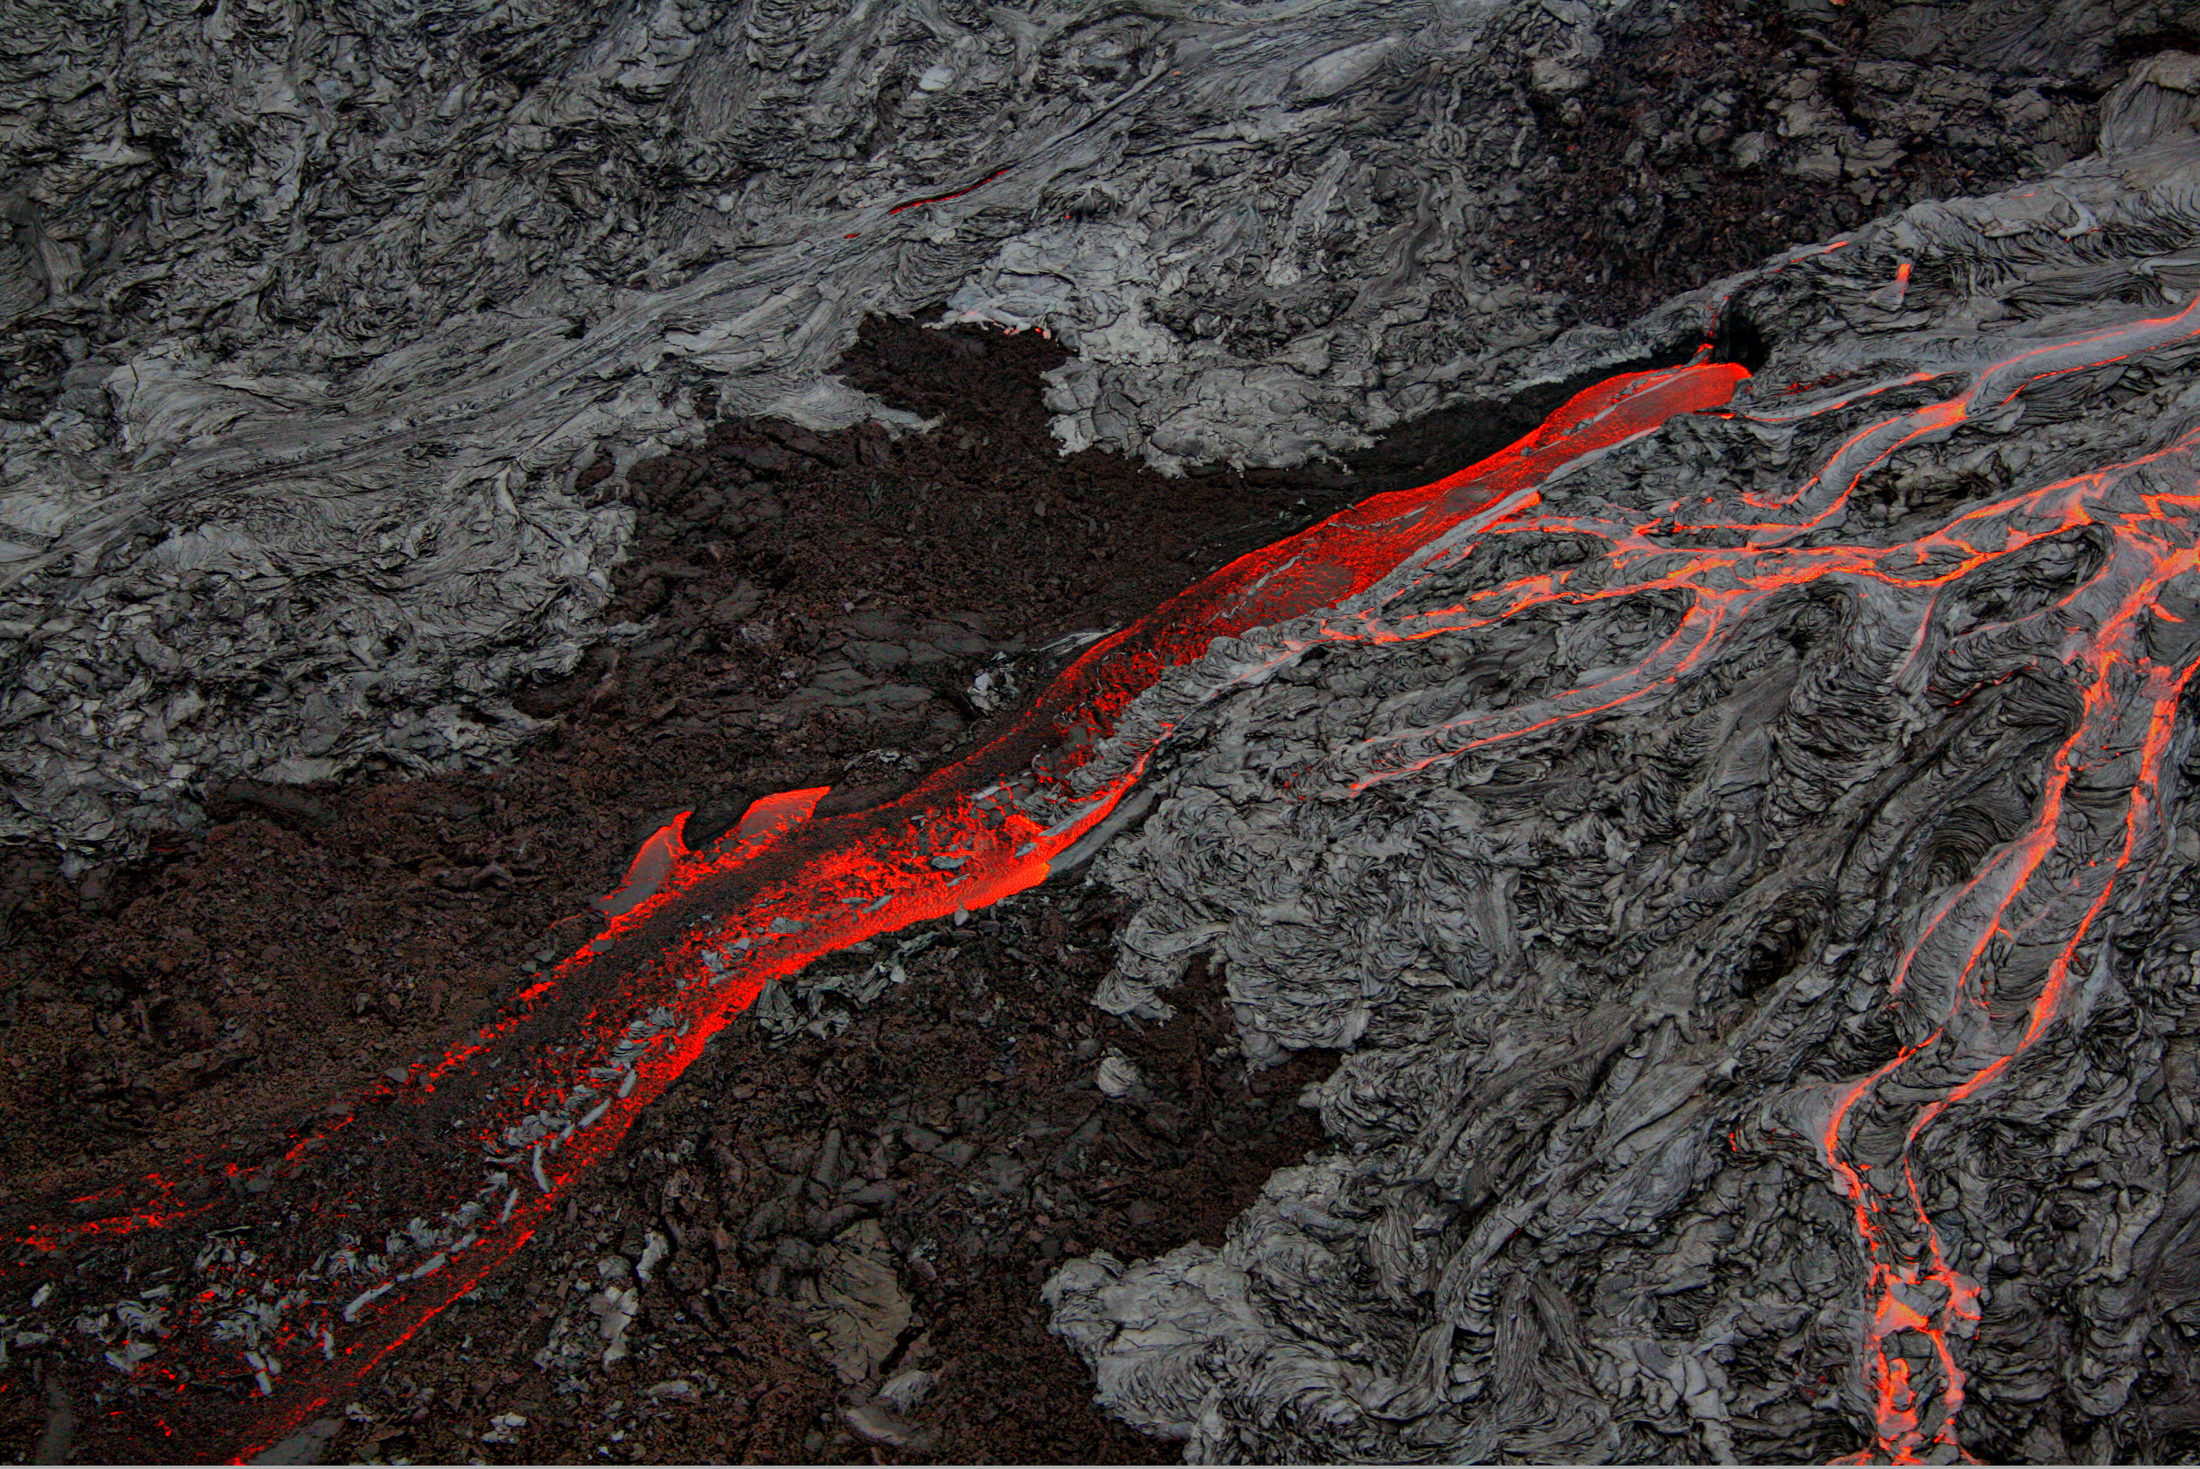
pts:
[861, 1308]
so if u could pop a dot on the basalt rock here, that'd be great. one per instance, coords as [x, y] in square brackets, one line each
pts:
[1754, 890]
[1750, 887]
[332, 333]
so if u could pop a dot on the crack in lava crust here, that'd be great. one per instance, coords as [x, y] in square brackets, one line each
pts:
[387, 1215]
[1997, 962]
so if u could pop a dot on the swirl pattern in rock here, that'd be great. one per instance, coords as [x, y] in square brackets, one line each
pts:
[1754, 893]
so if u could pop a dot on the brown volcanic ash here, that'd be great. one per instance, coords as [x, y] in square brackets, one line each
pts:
[1751, 891]
[1757, 894]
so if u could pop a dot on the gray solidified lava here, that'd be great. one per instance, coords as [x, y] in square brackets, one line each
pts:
[320, 316]
[1876, 815]
[340, 309]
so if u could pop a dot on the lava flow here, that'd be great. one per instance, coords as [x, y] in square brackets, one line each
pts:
[486, 1141]
[297, 1279]
[1990, 970]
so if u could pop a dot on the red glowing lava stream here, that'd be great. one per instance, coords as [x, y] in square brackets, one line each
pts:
[2043, 882]
[475, 1150]
[550, 1089]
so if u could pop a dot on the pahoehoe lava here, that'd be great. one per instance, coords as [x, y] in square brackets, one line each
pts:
[1741, 837]
[1766, 977]
[492, 1134]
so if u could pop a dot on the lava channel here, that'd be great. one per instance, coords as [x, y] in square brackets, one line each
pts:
[483, 1143]
[294, 1280]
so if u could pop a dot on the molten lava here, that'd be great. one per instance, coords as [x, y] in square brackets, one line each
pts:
[693, 937]
[549, 1089]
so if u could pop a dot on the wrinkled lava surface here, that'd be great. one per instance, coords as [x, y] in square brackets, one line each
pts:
[822, 604]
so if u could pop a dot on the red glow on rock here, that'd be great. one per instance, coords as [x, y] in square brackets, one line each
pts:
[691, 938]
[648, 870]
[2129, 702]
[957, 194]
[771, 817]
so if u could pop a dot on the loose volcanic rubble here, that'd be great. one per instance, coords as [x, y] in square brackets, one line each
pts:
[1745, 887]
[694, 936]
[430, 900]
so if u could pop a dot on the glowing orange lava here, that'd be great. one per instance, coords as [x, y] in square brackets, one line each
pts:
[693, 937]
[2129, 703]
[552, 1085]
